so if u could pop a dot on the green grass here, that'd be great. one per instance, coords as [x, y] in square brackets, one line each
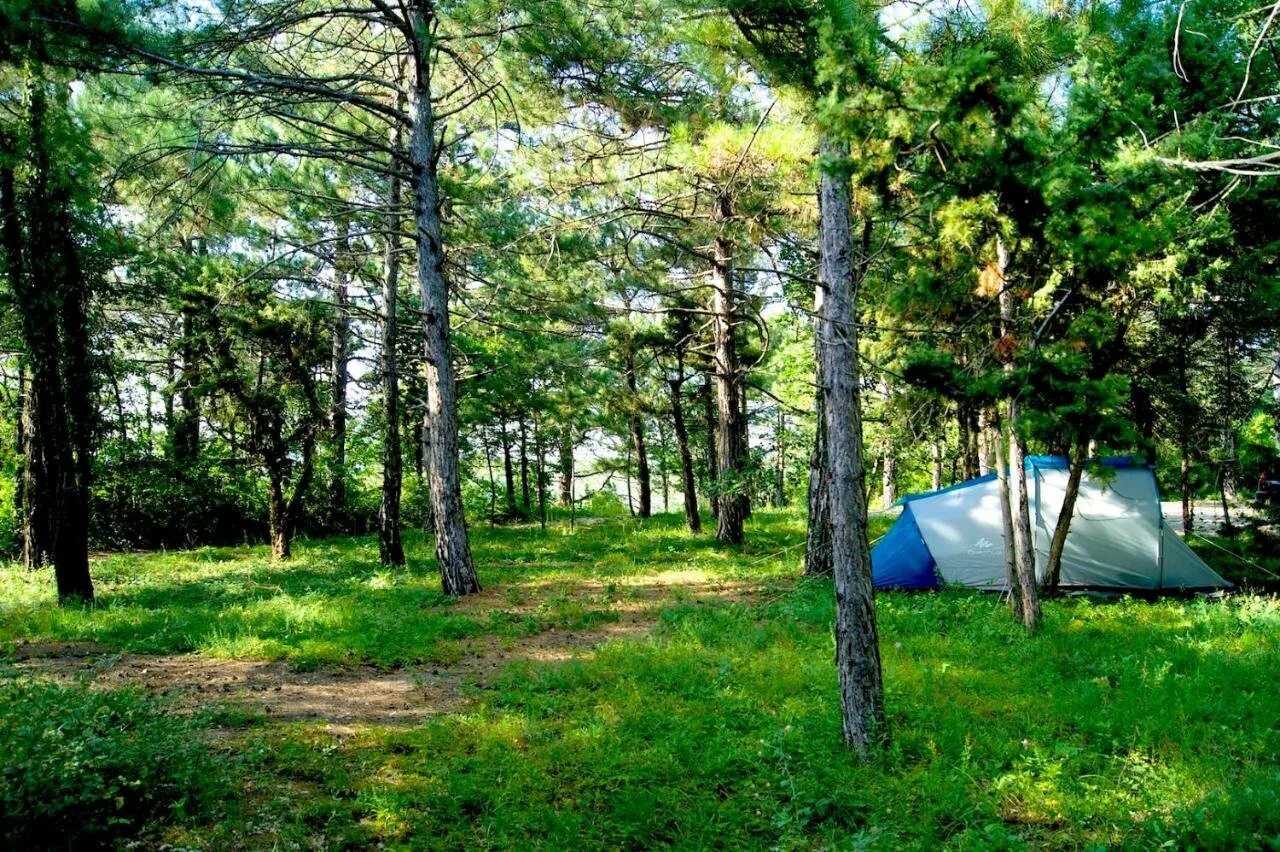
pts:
[1125, 724]
[333, 604]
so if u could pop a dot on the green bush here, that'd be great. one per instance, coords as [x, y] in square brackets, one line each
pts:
[83, 768]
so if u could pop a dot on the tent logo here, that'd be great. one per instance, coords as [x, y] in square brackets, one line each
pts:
[981, 546]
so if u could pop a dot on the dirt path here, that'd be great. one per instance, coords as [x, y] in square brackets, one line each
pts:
[365, 695]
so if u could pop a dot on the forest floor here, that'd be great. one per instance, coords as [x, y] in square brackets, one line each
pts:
[621, 685]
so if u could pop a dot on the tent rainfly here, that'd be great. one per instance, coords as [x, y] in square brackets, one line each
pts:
[1117, 539]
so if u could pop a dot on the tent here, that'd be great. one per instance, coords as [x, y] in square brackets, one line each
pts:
[1117, 540]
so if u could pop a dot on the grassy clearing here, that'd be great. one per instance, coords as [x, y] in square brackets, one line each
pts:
[1120, 724]
[333, 604]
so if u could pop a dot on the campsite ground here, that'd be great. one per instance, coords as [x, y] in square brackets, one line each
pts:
[619, 685]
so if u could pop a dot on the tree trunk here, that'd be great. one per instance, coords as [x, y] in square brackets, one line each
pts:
[1222, 495]
[526, 503]
[1019, 505]
[1012, 577]
[1053, 565]
[22, 520]
[985, 444]
[687, 482]
[664, 451]
[278, 521]
[889, 481]
[540, 476]
[780, 460]
[707, 394]
[390, 546]
[635, 427]
[729, 451]
[493, 486]
[1184, 488]
[341, 348]
[50, 295]
[566, 466]
[453, 550]
[1024, 544]
[857, 645]
[341, 359]
[817, 542]
[626, 473]
[937, 466]
[508, 471]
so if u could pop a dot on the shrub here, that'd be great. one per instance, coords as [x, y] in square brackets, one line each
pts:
[82, 768]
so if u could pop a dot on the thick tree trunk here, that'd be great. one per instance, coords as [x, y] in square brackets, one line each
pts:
[453, 550]
[817, 543]
[857, 644]
[937, 466]
[1053, 565]
[729, 450]
[390, 546]
[337, 484]
[688, 484]
[278, 521]
[635, 427]
[50, 295]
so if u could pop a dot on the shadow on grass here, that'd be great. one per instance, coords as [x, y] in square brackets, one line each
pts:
[722, 730]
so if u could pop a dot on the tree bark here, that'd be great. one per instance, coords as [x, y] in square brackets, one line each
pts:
[817, 543]
[635, 427]
[1053, 565]
[780, 460]
[279, 522]
[526, 504]
[50, 295]
[889, 481]
[707, 395]
[540, 475]
[566, 466]
[453, 549]
[687, 482]
[857, 644]
[341, 359]
[1019, 505]
[390, 545]
[729, 451]
[937, 466]
[508, 471]
[1012, 578]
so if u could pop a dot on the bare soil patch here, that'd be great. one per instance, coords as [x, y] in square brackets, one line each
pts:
[366, 695]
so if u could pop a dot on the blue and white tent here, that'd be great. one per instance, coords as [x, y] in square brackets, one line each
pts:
[1117, 540]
